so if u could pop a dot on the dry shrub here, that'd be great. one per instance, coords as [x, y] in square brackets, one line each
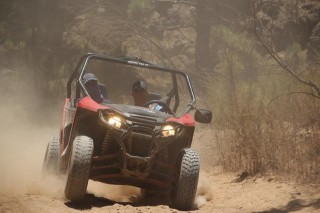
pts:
[282, 138]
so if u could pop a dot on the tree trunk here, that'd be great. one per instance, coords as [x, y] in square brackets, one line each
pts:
[203, 26]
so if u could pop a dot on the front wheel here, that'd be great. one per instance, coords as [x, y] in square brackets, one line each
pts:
[185, 188]
[79, 168]
[50, 162]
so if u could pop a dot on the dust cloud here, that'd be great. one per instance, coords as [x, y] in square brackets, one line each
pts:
[204, 191]
[203, 143]
[22, 149]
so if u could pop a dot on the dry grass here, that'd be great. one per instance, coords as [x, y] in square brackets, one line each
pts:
[284, 139]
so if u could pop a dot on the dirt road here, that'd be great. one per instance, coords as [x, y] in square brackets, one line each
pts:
[23, 190]
[252, 195]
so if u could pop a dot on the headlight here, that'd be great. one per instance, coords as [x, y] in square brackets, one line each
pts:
[115, 121]
[168, 130]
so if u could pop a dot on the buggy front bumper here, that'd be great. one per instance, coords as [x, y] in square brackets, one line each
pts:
[131, 167]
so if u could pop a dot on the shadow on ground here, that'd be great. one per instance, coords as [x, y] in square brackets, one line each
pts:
[294, 205]
[91, 201]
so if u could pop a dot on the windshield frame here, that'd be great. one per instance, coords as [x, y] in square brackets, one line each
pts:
[80, 69]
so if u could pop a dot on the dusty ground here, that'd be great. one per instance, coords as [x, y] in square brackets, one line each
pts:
[22, 147]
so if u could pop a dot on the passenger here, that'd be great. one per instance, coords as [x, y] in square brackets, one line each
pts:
[91, 84]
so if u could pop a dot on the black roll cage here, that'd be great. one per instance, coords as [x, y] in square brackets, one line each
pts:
[84, 61]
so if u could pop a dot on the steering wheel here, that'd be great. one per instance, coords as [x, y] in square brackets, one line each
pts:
[165, 107]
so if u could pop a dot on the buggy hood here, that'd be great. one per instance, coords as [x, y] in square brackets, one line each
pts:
[138, 111]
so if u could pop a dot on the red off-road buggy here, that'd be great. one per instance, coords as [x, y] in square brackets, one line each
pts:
[119, 143]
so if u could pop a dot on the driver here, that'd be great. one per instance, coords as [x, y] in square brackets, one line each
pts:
[141, 95]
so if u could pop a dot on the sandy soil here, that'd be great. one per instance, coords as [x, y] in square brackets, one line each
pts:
[22, 188]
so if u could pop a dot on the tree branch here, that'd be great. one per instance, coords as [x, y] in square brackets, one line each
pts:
[291, 93]
[278, 59]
